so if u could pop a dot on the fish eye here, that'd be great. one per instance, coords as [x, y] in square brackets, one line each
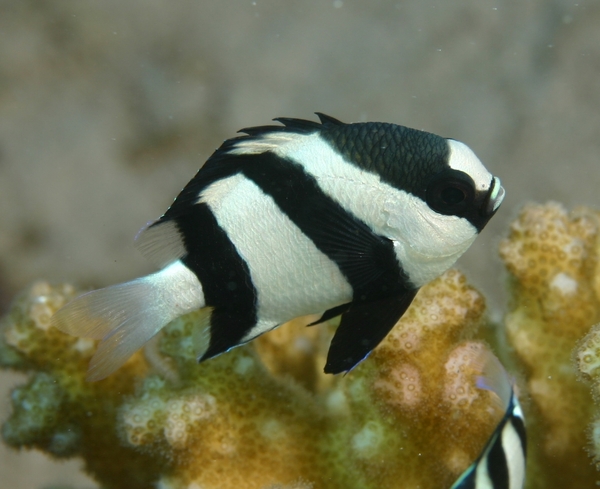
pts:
[450, 192]
[452, 195]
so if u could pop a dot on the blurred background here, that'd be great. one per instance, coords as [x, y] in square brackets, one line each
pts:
[108, 108]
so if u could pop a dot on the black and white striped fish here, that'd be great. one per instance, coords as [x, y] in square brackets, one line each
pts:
[292, 220]
[501, 464]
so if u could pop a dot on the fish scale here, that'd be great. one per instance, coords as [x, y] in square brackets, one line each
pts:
[362, 146]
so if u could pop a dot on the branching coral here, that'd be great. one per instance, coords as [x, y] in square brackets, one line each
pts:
[587, 357]
[552, 256]
[57, 411]
[262, 415]
[265, 416]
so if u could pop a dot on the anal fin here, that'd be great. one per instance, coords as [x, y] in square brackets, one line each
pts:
[362, 328]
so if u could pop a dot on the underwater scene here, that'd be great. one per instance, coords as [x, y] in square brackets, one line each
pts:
[385, 274]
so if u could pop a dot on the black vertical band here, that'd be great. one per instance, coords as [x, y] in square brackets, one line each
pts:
[224, 275]
[496, 462]
[367, 260]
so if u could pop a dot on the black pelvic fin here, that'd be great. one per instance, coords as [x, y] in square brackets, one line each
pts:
[363, 327]
[331, 313]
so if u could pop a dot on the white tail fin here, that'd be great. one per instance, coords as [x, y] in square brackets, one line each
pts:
[126, 316]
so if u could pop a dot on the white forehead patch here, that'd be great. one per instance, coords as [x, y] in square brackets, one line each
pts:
[463, 159]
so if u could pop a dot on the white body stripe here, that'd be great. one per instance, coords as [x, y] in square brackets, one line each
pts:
[291, 276]
[512, 448]
[482, 477]
[513, 451]
[517, 411]
[426, 243]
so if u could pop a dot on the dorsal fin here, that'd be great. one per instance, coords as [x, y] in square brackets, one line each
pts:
[290, 124]
[257, 131]
[302, 126]
[327, 119]
[161, 242]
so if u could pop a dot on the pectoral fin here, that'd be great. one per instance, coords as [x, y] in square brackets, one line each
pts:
[362, 328]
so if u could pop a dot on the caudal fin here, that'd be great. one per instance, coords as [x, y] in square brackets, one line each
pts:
[125, 316]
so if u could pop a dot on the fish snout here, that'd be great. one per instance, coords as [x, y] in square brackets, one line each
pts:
[493, 198]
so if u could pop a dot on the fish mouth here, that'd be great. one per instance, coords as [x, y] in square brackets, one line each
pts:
[493, 198]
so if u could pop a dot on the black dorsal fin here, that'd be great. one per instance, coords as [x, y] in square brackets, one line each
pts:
[290, 124]
[302, 126]
[258, 131]
[327, 119]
